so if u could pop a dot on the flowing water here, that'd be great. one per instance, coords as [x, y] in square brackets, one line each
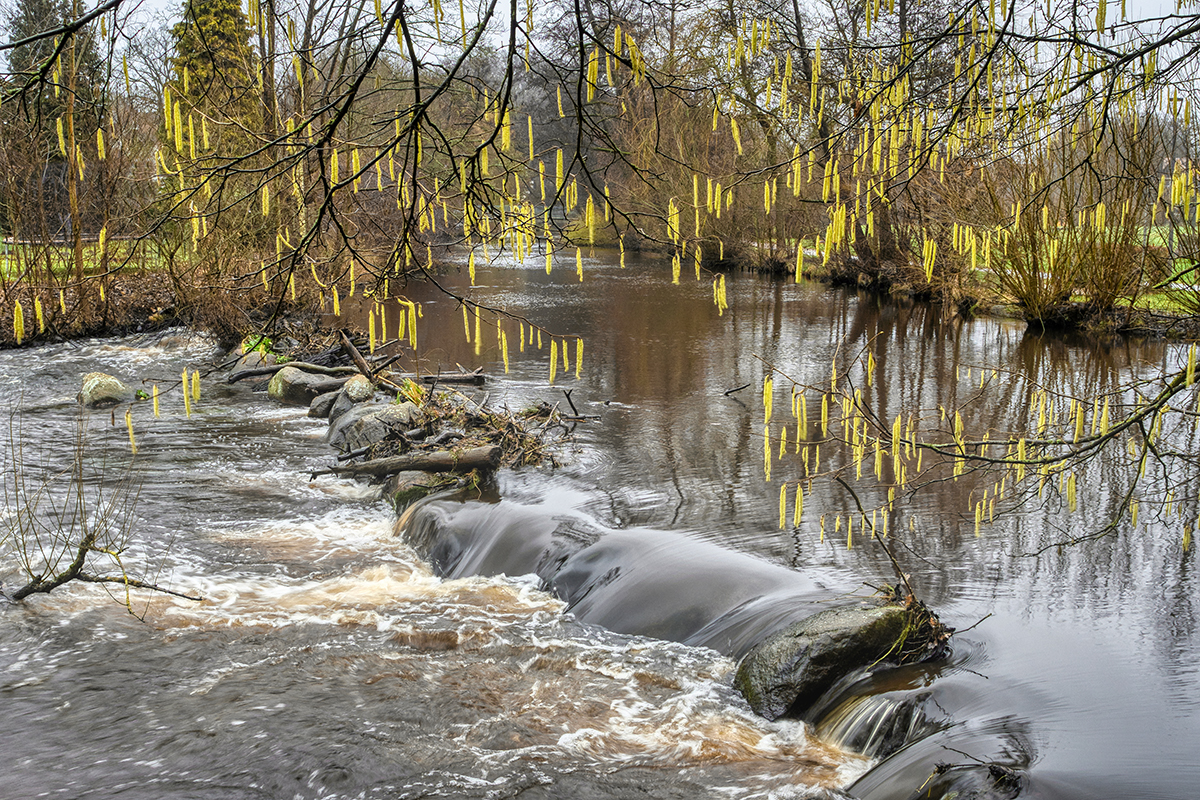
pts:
[336, 656]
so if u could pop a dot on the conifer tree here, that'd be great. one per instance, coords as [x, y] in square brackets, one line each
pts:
[212, 94]
[73, 82]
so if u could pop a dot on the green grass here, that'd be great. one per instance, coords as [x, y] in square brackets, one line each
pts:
[14, 257]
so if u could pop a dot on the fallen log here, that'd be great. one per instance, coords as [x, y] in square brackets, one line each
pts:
[439, 461]
[475, 378]
[304, 366]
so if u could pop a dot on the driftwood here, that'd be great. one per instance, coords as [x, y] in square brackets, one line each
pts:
[439, 461]
[475, 378]
[303, 366]
[355, 356]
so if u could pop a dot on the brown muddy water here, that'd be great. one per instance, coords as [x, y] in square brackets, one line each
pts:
[329, 659]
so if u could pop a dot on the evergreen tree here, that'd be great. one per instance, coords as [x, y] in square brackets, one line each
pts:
[213, 93]
[33, 17]
[41, 112]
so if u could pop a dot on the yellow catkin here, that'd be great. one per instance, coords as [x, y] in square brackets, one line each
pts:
[578, 356]
[783, 505]
[18, 322]
[478, 332]
[767, 452]
[129, 427]
[553, 359]
[196, 386]
[187, 399]
[154, 397]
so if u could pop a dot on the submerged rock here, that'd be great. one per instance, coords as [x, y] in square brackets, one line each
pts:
[796, 665]
[364, 425]
[405, 488]
[973, 782]
[253, 359]
[101, 390]
[296, 387]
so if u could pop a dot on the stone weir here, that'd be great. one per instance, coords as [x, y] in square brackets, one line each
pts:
[799, 644]
[794, 637]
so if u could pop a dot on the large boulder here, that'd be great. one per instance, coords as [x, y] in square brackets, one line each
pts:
[793, 667]
[101, 390]
[295, 387]
[365, 425]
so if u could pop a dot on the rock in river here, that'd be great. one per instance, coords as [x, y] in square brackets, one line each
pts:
[322, 404]
[332, 405]
[296, 387]
[357, 390]
[101, 390]
[796, 665]
[366, 424]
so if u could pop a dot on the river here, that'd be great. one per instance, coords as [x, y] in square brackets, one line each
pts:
[328, 659]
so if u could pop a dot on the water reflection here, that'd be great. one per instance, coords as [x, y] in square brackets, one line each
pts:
[673, 452]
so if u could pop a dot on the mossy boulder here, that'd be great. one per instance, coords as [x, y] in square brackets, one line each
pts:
[792, 668]
[295, 387]
[405, 488]
[101, 390]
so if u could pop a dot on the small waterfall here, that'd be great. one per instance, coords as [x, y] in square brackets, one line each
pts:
[877, 725]
[639, 581]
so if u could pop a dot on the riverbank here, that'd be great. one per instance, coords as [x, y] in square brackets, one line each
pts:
[1158, 316]
[145, 301]
[148, 300]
